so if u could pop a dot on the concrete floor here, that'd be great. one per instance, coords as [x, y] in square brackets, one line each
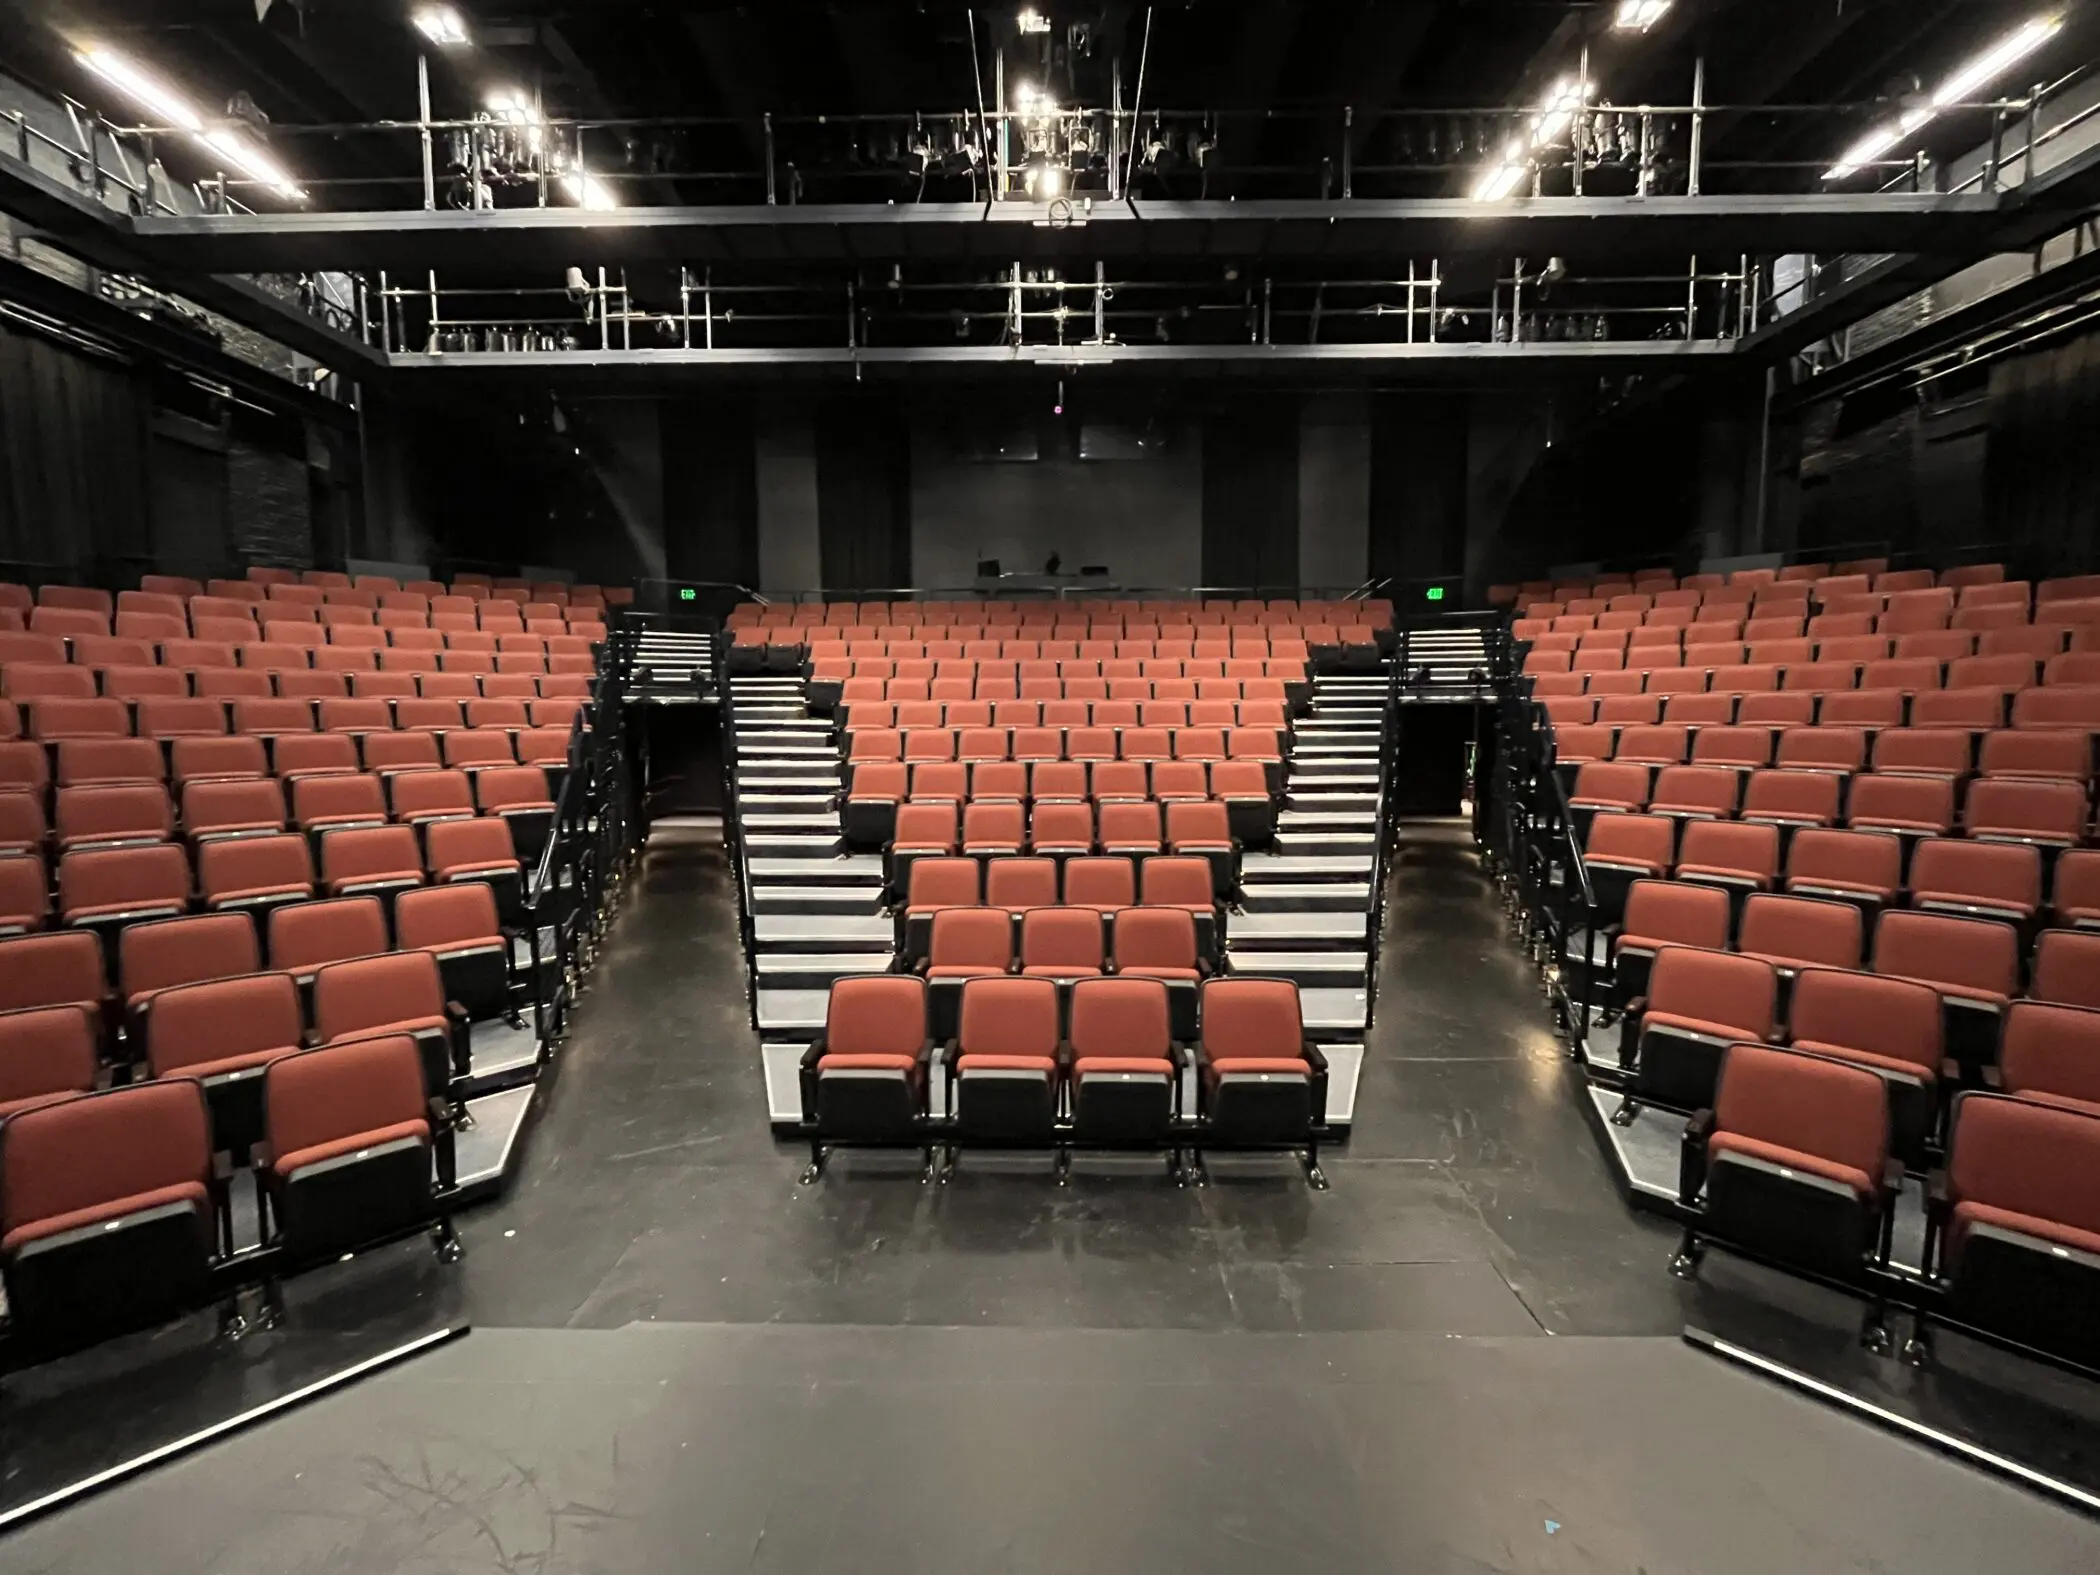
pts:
[1463, 1357]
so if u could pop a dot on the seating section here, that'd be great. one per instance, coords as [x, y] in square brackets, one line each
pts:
[237, 822]
[1837, 824]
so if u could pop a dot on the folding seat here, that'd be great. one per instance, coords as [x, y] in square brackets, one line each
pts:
[1639, 713]
[1129, 828]
[2066, 968]
[1661, 913]
[107, 888]
[865, 1079]
[2050, 1055]
[2018, 1225]
[1976, 709]
[120, 816]
[1062, 943]
[25, 892]
[1202, 828]
[107, 1214]
[2074, 898]
[936, 780]
[1993, 672]
[1718, 653]
[356, 716]
[25, 767]
[1579, 746]
[420, 797]
[965, 943]
[927, 744]
[2073, 668]
[1742, 678]
[458, 924]
[2075, 706]
[46, 1054]
[1977, 879]
[992, 829]
[1739, 748]
[1828, 626]
[1060, 828]
[25, 682]
[338, 800]
[1693, 792]
[477, 850]
[1564, 711]
[1089, 743]
[1794, 1162]
[1619, 849]
[922, 830]
[232, 683]
[206, 759]
[2017, 809]
[1111, 780]
[399, 993]
[1784, 629]
[1698, 1004]
[1261, 1081]
[1652, 746]
[2077, 587]
[1740, 856]
[1007, 1069]
[68, 623]
[1792, 796]
[1974, 964]
[258, 872]
[232, 807]
[1837, 749]
[1052, 781]
[2048, 754]
[370, 859]
[1016, 884]
[110, 762]
[1911, 805]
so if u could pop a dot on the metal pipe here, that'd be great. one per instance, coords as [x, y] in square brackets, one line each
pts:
[1410, 300]
[434, 316]
[1348, 156]
[1698, 121]
[1115, 128]
[1578, 128]
[772, 176]
[1516, 305]
[707, 302]
[1267, 292]
[1691, 299]
[1137, 104]
[1003, 147]
[626, 312]
[604, 321]
[1742, 299]
[2034, 120]
[1100, 301]
[423, 119]
[1018, 331]
[386, 319]
[1645, 176]
[685, 308]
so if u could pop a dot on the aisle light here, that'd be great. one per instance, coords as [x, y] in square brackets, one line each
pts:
[1978, 72]
[155, 96]
[1637, 16]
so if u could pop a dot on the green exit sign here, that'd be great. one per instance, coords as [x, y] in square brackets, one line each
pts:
[687, 594]
[1435, 593]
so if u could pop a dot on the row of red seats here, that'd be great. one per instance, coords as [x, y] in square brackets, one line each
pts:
[2055, 753]
[868, 815]
[1093, 1064]
[1075, 743]
[910, 715]
[2047, 813]
[214, 618]
[1815, 577]
[1847, 593]
[260, 582]
[1791, 1164]
[1967, 712]
[1156, 609]
[27, 766]
[1791, 670]
[204, 672]
[54, 721]
[1217, 664]
[1959, 976]
[515, 678]
[348, 1155]
[109, 888]
[1047, 692]
[142, 811]
[1016, 883]
[2064, 650]
[1130, 828]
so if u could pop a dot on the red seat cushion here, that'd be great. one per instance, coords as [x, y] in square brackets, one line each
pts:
[1772, 1154]
[1695, 1025]
[299, 1159]
[1107, 1064]
[190, 1192]
[1968, 1214]
[1868, 1059]
[1006, 1063]
[868, 1061]
[1274, 1065]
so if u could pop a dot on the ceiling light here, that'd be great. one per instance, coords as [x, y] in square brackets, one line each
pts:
[160, 99]
[1558, 112]
[154, 95]
[1966, 79]
[1033, 21]
[1637, 16]
[1502, 179]
[441, 25]
[587, 192]
[253, 162]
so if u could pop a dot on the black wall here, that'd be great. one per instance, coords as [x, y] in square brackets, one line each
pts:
[1250, 492]
[710, 490]
[864, 493]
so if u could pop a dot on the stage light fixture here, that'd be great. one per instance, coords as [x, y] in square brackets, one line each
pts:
[1637, 16]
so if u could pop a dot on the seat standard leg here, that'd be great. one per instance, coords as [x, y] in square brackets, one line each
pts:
[1629, 1107]
[930, 1171]
[1176, 1170]
[1685, 1264]
[1315, 1176]
[445, 1242]
[1195, 1171]
[815, 1170]
[1917, 1350]
[1874, 1328]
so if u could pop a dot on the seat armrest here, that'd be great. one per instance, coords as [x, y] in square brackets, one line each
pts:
[1691, 1157]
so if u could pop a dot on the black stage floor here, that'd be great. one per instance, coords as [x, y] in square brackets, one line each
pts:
[1463, 1357]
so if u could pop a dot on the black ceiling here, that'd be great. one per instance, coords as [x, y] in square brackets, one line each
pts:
[1280, 71]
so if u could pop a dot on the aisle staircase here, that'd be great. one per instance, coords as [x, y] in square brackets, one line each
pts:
[1445, 662]
[1307, 910]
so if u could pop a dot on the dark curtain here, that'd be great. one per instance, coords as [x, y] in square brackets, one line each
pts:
[1418, 485]
[189, 498]
[72, 462]
[710, 462]
[2041, 485]
[1250, 493]
[863, 494]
